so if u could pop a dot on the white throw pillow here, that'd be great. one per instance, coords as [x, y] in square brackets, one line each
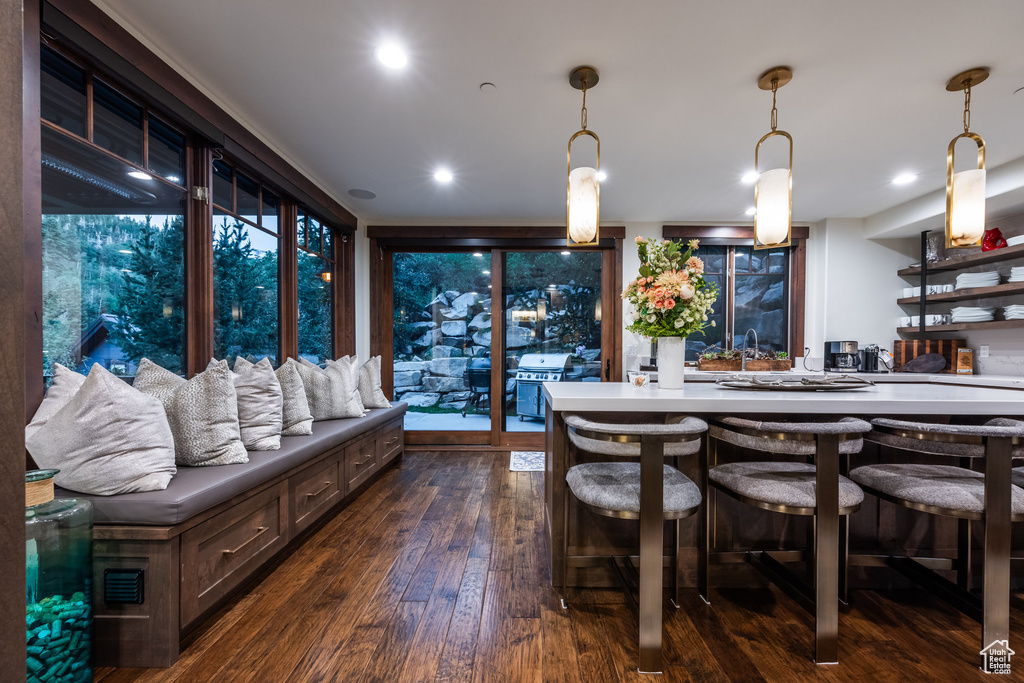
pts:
[370, 392]
[333, 392]
[296, 420]
[202, 412]
[66, 384]
[260, 404]
[109, 438]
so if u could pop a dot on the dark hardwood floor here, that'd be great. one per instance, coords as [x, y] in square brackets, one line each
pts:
[438, 573]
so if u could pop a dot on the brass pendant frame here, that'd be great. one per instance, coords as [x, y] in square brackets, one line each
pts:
[950, 169]
[789, 230]
[568, 209]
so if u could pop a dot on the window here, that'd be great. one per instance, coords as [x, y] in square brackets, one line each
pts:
[316, 288]
[245, 267]
[759, 290]
[112, 235]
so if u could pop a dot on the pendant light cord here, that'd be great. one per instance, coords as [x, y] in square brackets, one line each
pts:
[967, 106]
[775, 111]
[583, 112]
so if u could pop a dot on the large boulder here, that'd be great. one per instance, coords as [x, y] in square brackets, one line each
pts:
[429, 339]
[443, 351]
[408, 379]
[443, 384]
[482, 338]
[449, 367]
[428, 325]
[411, 366]
[481, 321]
[518, 337]
[458, 396]
[478, 350]
[454, 313]
[456, 405]
[467, 300]
[453, 328]
[440, 301]
[417, 399]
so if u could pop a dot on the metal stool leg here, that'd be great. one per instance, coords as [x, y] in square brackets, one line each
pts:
[652, 530]
[826, 550]
[996, 588]
[963, 554]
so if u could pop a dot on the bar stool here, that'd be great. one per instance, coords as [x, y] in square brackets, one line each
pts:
[960, 492]
[649, 490]
[793, 488]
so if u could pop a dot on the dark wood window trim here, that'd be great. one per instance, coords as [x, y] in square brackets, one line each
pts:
[744, 235]
[386, 240]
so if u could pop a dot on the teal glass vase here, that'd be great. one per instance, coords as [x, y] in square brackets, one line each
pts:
[58, 583]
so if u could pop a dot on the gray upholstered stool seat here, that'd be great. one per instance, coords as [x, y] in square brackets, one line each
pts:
[888, 434]
[1018, 476]
[615, 486]
[941, 487]
[685, 427]
[754, 434]
[789, 484]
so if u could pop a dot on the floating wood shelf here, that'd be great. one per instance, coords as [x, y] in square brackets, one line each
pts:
[977, 259]
[961, 327]
[974, 293]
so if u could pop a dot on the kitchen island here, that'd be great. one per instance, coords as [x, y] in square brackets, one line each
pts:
[619, 402]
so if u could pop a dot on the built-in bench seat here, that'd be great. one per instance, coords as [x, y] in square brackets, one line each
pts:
[164, 560]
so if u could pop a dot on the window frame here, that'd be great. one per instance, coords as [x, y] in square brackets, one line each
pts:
[742, 236]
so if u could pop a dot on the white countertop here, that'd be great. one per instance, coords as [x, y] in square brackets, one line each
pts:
[899, 398]
[1011, 381]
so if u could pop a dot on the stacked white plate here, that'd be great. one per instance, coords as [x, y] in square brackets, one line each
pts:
[1014, 312]
[972, 314]
[915, 320]
[1014, 241]
[967, 280]
[1017, 274]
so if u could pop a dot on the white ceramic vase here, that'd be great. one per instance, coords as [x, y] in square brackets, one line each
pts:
[671, 361]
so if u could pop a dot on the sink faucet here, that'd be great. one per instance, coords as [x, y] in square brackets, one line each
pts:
[743, 358]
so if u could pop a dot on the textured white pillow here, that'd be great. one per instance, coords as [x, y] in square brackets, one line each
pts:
[107, 439]
[66, 384]
[202, 412]
[260, 404]
[333, 392]
[296, 419]
[370, 392]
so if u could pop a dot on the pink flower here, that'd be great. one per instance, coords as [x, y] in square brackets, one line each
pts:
[695, 264]
[639, 240]
[670, 304]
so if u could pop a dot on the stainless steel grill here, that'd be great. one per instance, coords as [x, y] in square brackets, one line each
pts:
[535, 369]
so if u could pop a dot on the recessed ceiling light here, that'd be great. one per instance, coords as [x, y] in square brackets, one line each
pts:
[904, 179]
[486, 272]
[124, 251]
[749, 178]
[362, 194]
[566, 253]
[478, 255]
[443, 175]
[139, 175]
[751, 211]
[392, 55]
[601, 176]
[174, 178]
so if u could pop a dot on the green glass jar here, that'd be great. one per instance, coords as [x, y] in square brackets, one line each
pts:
[58, 583]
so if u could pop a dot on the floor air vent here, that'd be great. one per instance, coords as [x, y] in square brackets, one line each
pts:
[124, 586]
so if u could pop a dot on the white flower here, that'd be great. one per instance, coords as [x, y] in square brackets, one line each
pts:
[679, 323]
[686, 291]
[651, 318]
[713, 324]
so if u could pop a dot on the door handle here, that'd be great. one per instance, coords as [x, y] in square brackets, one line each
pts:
[607, 369]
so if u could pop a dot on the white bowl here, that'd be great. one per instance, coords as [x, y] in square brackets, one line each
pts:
[1014, 241]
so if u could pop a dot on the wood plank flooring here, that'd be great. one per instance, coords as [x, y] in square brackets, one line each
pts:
[438, 572]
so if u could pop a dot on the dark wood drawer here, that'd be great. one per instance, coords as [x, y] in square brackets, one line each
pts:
[360, 462]
[225, 550]
[391, 441]
[314, 490]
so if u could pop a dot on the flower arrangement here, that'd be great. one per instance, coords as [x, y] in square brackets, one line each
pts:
[670, 298]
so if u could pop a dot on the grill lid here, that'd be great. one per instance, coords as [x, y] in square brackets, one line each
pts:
[546, 362]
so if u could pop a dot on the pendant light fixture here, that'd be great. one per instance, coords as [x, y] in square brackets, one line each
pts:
[965, 191]
[773, 191]
[583, 188]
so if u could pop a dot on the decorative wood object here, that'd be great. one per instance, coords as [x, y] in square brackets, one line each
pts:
[905, 351]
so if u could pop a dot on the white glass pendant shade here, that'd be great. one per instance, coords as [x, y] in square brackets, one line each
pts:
[772, 217]
[584, 194]
[967, 208]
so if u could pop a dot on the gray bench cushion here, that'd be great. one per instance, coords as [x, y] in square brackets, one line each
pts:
[944, 486]
[1018, 476]
[195, 489]
[616, 486]
[780, 483]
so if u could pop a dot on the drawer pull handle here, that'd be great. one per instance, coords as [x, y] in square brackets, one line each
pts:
[259, 532]
[392, 442]
[365, 460]
[327, 485]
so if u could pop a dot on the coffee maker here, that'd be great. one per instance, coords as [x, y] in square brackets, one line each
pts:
[841, 356]
[869, 358]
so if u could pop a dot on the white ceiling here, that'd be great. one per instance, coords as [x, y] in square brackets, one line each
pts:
[677, 108]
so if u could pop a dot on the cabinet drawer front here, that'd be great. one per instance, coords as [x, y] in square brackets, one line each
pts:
[224, 550]
[391, 440]
[360, 463]
[315, 490]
